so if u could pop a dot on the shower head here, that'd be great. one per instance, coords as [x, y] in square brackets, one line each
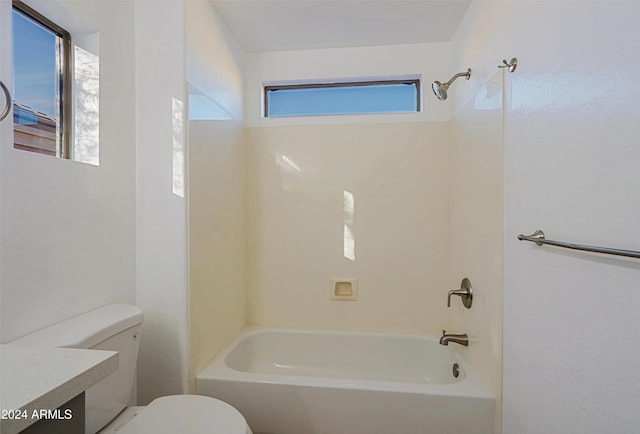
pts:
[440, 89]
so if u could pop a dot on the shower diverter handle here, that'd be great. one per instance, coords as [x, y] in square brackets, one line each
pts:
[465, 293]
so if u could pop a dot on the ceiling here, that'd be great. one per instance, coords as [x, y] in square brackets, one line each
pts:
[274, 25]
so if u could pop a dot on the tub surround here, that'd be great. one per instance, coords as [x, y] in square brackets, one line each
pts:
[46, 378]
[216, 206]
[299, 177]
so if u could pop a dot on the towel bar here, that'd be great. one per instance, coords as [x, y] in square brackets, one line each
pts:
[539, 238]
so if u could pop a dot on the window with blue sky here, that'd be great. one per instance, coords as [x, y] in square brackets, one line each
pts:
[41, 83]
[392, 96]
[34, 65]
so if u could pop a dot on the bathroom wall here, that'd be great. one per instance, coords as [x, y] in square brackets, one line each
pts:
[217, 240]
[384, 176]
[571, 323]
[161, 207]
[75, 236]
[475, 219]
[68, 229]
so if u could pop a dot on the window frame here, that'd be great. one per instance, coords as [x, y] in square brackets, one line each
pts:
[380, 82]
[64, 46]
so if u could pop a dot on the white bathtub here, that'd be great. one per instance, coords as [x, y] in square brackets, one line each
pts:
[307, 382]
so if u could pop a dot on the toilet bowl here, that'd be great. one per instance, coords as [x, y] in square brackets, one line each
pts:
[108, 404]
[193, 414]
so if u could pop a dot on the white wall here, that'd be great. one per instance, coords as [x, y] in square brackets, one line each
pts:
[571, 320]
[68, 229]
[6, 126]
[217, 230]
[74, 236]
[161, 214]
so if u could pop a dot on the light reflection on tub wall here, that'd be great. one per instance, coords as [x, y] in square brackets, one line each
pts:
[349, 238]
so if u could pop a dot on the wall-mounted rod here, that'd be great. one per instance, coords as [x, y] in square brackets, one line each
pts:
[7, 97]
[539, 238]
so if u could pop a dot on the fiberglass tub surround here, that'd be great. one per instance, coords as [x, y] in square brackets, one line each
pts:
[292, 382]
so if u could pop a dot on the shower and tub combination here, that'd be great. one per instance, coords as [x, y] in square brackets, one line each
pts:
[323, 382]
[311, 382]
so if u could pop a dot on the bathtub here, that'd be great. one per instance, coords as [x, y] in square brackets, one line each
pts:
[310, 382]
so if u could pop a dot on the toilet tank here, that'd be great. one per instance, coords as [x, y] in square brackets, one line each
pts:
[115, 327]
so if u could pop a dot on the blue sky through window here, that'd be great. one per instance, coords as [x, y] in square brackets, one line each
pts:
[348, 99]
[34, 65]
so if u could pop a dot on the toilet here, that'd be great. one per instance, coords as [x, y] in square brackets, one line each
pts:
[108, 404]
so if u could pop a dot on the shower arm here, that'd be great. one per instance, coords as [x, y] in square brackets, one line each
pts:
[459, 74]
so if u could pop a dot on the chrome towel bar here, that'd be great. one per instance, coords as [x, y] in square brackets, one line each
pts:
[539, 238]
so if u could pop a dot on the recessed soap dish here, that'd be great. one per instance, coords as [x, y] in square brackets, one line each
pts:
[343, 289]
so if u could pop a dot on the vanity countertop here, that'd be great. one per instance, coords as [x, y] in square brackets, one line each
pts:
[34, 378]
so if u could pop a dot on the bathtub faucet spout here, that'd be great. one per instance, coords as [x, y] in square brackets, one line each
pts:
[462, 339]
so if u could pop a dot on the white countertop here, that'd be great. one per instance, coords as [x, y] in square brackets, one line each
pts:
[33, 378]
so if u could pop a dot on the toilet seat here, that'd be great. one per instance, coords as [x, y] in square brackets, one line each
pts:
[193, 414]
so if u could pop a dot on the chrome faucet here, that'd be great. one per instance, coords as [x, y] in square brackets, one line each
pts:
[462, 339]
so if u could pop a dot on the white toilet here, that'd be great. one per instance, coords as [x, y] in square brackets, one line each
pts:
[116, 327]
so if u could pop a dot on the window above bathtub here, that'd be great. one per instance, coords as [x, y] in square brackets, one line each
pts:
[340, 98]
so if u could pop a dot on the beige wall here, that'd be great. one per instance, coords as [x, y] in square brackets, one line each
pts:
[398, 176]
[217, 238]
[216, 198]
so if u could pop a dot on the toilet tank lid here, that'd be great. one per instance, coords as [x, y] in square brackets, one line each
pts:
[86, 330]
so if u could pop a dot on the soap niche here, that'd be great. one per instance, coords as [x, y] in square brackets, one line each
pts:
[343, 289]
